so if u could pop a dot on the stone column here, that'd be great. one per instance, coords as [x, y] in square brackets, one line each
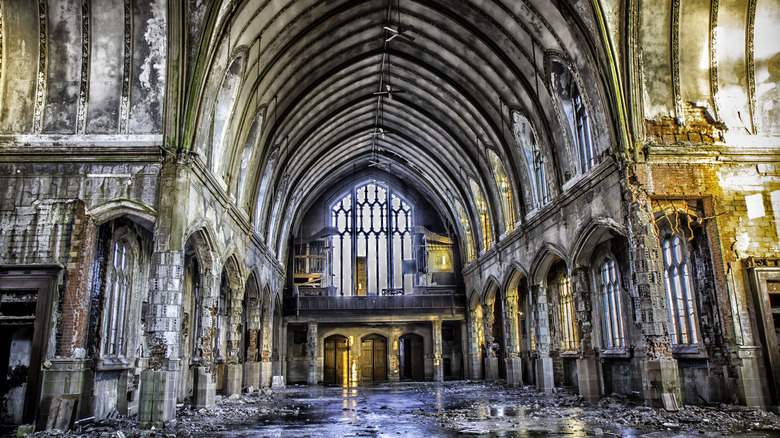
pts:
[251, 365]
[588, 367]
[205, 388]
[313, 353]
[233, 369]
[660, 375]
[544, 365]
[266, 338]
[474, 347]
[514, 374]
[490, 360]
[438, 366]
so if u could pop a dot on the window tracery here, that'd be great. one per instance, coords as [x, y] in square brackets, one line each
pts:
[566, 314]
[482, 214]
[504, 190]
[679, 292]
[372, 250]
[119, 286]
[526, 140]
[612, 304]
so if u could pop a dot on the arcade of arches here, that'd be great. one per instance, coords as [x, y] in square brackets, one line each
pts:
[203, 196]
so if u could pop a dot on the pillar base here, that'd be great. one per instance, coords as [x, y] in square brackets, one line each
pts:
[544, 375]
[66, 376]
[475, 366]
[205, 389]
[438, 370]
[312, 376]
[661, 380]
[752, 381]
[491, 368]
[588, 372]
[514, 372]
[157, 403]
[252, 373]
[233, 379]
[266, 374]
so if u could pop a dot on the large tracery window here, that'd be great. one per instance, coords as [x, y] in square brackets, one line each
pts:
[568, 333]
[587, 154]
[466, 227]
[372, 251]
[679, 292]
[613, 314]
[119, 287]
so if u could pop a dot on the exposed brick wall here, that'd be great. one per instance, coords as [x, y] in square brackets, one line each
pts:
[698, 128]
[78, 278]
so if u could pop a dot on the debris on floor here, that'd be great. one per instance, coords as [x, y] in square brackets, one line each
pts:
[431, 409]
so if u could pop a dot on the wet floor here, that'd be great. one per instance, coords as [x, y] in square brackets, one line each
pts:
[447, 410]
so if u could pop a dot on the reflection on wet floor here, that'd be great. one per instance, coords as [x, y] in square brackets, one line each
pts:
[436, 410]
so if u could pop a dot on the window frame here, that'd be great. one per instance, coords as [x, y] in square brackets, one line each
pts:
[116, 316]
[570, 342]
[672, 300]
[605, 313]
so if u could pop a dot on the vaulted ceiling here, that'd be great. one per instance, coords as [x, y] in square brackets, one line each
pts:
[309, 73]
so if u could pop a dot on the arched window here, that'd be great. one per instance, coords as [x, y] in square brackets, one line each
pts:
[482, 213]
[466, 228]
[679, 292]
[504, 190]
[372, 250]
[584, 140]
[574, 108]
[223, 110]
[119, 287]
[526, 140]
[568, 333]
[613, 313]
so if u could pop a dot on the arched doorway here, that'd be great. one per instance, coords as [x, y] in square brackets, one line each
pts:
[373, 358]
[336, 360]
[410, 350]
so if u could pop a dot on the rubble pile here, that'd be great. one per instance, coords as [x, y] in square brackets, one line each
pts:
[460, 408]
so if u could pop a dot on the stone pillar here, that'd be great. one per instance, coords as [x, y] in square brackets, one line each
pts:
[233, 369]
[588, 368]
[313, 353]
[514, 374]
[475, 345]
[438, 366]
[266, 367]
[465, 342]
[544, 364]
[490, 359]
[660, 375]
[252, 366]
[205, 389]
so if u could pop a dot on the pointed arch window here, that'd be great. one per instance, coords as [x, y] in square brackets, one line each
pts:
[526, 140]
[566, 314]
[372, 250]
[679, 292]
[572, 104]
[223, 110]
[613, 313]
[119, 286]
[483, 214]
[504, 190]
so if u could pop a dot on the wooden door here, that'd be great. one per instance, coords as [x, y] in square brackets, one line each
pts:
[373, 358]
[336, 360]
[412, 366]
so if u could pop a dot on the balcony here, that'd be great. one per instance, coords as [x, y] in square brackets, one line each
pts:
[429, 300]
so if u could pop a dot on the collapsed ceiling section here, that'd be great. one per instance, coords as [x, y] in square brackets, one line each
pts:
[294, 96]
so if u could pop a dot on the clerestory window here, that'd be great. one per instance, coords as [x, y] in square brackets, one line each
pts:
[679, 292]
[526, 140]
[372, 250]
[584, 140]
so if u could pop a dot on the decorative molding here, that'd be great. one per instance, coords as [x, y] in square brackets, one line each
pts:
[751, 75]
[714, 58]
[678, 107]
[81, 116]
[124, 106]
[40, 92]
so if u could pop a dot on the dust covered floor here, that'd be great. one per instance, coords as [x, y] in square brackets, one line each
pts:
[439, 410]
